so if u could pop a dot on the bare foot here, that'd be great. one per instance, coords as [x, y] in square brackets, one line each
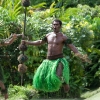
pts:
[4, 93]
[66, 88]
[5, 96]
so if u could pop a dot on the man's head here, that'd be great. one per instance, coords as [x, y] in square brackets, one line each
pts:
[56, 25]
[57, 20]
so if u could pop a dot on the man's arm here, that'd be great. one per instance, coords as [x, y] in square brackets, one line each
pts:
[0, 44]
[9, 40]
[36, 43]
[73, 48]
[68, 43]
[84, 58]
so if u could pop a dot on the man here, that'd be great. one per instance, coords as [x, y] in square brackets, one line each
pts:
[54, 71]
[6, 42]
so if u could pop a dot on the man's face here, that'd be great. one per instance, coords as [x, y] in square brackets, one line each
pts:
[56, 26]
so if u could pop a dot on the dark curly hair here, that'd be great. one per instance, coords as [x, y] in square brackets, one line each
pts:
[57, 20]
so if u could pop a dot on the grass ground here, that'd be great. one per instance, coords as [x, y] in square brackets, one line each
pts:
[89, 95]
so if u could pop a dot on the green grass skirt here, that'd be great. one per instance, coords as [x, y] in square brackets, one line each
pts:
[46, 79]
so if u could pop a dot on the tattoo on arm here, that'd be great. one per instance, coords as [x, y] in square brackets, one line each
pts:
[44, 39]
[68, 41]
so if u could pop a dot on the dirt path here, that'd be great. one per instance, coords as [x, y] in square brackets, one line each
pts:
[1, 98]
[94, 97]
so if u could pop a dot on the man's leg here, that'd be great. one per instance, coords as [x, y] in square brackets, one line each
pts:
[65, 87]
[60, 74]
[60, 70]
[3, 90]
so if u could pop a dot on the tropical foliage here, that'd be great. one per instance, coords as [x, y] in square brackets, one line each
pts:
[80, 23]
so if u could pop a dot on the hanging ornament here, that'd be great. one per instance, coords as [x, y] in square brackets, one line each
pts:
[26, 3]
[22, 58]
[22, 68]
[22, 47]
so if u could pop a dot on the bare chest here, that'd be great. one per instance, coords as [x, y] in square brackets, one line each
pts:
[55, 39]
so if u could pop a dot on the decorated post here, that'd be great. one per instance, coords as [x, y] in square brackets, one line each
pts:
[22, 68]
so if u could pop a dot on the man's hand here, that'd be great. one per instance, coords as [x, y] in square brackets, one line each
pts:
[14, 36]
[84, 58]
[23, 42]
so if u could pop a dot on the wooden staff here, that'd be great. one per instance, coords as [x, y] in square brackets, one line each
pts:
[26, 4]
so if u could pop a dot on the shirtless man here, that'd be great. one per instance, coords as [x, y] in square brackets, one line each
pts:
[5, 43]
[54, 71]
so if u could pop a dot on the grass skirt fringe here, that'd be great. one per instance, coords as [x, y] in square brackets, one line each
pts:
[46, 79]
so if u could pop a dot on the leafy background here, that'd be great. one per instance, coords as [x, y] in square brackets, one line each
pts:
[81, 22]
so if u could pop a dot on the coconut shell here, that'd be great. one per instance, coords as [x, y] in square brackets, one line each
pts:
[22, 58]
[26, 3]
[22, 47]
[22, 68]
